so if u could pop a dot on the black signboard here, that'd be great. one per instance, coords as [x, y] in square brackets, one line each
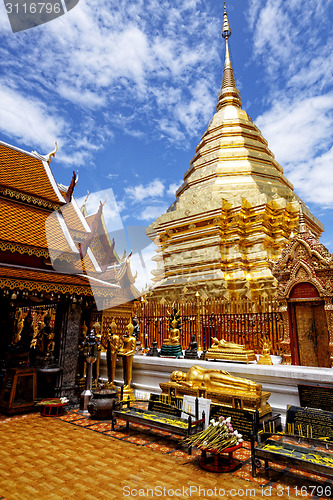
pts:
[310, 422]
[316, 397]
[163, 403]
[241, 420]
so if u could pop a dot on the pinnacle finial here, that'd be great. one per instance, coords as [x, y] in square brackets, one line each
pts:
[226, 31]
[229, 93]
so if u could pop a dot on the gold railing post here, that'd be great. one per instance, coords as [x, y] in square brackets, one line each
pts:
[199, 328]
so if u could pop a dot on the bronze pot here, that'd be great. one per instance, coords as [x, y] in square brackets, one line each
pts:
[103, 403]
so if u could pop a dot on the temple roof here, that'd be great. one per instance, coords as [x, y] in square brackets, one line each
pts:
[22, 171]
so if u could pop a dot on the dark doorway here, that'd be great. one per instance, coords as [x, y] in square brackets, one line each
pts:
[309, 336]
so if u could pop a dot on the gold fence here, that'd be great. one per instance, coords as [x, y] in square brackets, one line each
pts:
[241, 321]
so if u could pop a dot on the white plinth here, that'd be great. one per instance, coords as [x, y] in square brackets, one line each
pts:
[280, 380]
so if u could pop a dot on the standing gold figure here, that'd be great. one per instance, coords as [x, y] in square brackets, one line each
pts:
[113, 345]
[127, 351]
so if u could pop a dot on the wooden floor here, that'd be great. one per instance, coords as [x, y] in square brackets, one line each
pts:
[54, 459]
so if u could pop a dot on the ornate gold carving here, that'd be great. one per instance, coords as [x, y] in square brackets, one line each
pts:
[301, 274]
[11, 193]
[16, 247]
[35, 286]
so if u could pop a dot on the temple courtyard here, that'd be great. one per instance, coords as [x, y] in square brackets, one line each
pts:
[74, 456]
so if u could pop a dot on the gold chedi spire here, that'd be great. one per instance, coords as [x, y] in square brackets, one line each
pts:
[233, 213]
[229, 93]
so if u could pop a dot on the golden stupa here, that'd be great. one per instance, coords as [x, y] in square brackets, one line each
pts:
[233, 213]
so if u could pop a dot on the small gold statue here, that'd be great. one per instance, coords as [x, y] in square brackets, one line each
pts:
[174, 335]
[43, 334]
[265, 358]
[50, 348]
[127, 351]
[224, 344]
[171, 346]
[215, 380]
[113, 345]
[229, 351]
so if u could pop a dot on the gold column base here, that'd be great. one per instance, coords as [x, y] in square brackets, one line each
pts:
[110, 385]
[128, 394]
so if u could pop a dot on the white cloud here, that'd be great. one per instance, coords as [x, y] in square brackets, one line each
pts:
[155, 189]
[152, 212]
[313, 179]
[173, 188]
[297, 130]
[295, 50]
[29, 120]
[98, 58]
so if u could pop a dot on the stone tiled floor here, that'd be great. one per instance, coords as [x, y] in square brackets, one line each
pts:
[61, 458]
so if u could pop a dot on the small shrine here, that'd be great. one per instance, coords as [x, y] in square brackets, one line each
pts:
[305, 293]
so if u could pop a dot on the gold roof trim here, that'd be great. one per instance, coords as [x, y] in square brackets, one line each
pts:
[11, 193]
[33, 286]
[22, 249]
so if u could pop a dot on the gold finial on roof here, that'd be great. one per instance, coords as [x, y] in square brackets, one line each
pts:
[229, 93]
[83, 206]
[49, 156]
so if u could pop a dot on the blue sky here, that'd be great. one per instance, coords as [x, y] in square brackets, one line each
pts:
[128, 87]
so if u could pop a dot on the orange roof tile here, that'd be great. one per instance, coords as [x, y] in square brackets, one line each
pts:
[21, 171]
[25, 225]
[73, 219]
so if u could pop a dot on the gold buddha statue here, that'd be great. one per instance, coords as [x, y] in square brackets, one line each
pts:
[224, 344]
[229, 351]
[214, 380]
[265, 358]
[174, 335]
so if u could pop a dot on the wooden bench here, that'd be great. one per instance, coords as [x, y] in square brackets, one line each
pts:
[311, 454]
[157, 420]
[296, 452]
